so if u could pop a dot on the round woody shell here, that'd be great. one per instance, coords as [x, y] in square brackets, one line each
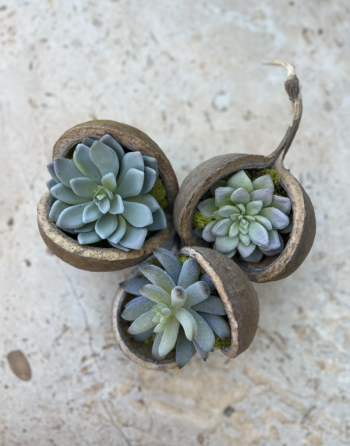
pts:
[235, 290]
[203, 177]
[91, 258]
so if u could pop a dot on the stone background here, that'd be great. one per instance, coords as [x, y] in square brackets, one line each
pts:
[189, 74]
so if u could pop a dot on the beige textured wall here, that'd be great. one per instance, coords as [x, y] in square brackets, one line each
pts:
[188, 73]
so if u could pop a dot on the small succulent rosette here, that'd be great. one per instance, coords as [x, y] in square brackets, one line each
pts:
[250, 207]
[104, 193]
[111, 197]
[245, 217]
[173, 307]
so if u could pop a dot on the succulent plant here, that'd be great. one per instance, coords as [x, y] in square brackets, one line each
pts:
[175, 303]
[103, 193]
[246, 216]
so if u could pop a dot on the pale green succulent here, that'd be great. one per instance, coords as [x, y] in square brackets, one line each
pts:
[246, 216]
[176, 304]
[103, 194]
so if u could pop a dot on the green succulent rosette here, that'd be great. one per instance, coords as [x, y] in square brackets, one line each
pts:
[103, 194]
[177, 305]
[245, 216]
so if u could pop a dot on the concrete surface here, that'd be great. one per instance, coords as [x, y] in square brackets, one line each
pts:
[189, 74]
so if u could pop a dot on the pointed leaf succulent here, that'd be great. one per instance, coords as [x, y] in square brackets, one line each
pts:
[103, 193]
[176, 304]
[246, 216]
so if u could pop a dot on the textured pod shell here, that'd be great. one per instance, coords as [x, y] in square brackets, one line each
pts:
[203, 177]
[235, 290]
[91, 258]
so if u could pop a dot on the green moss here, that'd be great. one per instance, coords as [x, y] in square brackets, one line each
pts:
[150, 340]
[155, 262]
[256, 173]
[182, 259]
[199, 221]
[159, 193]
[221, 343]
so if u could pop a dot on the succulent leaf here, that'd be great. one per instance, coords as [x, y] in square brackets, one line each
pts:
[131, 160]
[157, 276]
[202, 353]
[84, 164]
[205, 336]
[119, 233]
[205, 278]
[65, 194]
[71, 217]
[84, 187]
[91, 213]
[277, 218]
[264, 195]
[116, 205]
[188, 323]
[137, 214]
[133, 238]
[51, 169]
[150, 179]
[156, 294]
[207, 207]
[240, 180]
[196, 293]
[189, 273]
[131, 183]
[109, 182]
[212, 305]
[88, 142]
[50, 183]
[86, 238]
[133, 286]
[57, 208]
[104, 158]
[184, 349]
[145, 199]
[106, 225]
[240, 196]
[86, 228]
[222, 196]
[65, 171]
[169, 262]
[142, 323]
[170, 336]
[217, 324]
[113, 144]
[151, 162]
[284, 204]
[207, 234]
[155, 347]
[137, 309]
[159, 220]
[264, 182]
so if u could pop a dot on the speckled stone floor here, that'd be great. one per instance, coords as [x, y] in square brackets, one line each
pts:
[189, 74]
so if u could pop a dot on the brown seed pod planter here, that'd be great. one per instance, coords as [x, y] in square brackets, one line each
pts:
[235, 290]
[203, 177]
[91, 258]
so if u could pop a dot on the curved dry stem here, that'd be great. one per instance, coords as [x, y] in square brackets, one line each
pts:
[292, 88]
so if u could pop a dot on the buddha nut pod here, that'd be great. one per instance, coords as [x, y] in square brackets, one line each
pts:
[234, 289]
[203, 177]
[91, 258]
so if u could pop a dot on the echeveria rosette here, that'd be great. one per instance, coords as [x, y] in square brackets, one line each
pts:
[176, 304]
[103, 194]
[246, 216]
